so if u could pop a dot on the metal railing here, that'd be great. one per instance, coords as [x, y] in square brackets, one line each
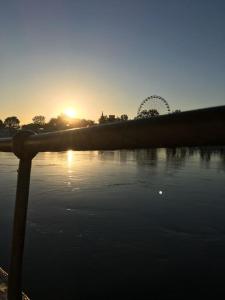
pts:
[192, 128]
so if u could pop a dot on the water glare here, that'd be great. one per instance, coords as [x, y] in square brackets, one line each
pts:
[70, 158]
[103, 218]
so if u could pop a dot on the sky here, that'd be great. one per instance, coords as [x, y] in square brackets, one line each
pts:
[109, 55]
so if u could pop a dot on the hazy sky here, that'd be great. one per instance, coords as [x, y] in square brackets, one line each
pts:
[108, 55]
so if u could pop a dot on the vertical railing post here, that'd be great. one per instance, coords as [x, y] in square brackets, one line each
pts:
[20, 214]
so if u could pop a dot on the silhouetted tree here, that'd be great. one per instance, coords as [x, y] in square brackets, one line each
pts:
[153, 113]
[145, 114]
[124, 117]
[84, 123]
[39, 120]
[12, 122]
[32, 126]
[53, 122]
[56, 124]
[1, 124]
[63, 122]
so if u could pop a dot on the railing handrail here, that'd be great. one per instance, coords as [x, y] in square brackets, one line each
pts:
[190, 128]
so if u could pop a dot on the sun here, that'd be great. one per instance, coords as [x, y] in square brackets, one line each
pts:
[70, 112]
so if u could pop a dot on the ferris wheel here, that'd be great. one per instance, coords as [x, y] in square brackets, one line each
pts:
[155, 103]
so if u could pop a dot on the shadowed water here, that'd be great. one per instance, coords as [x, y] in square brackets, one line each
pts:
[121, 224]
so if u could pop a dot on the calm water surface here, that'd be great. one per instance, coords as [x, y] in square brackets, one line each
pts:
[121, 225]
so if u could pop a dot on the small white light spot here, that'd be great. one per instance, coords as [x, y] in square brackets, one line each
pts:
[160, 192]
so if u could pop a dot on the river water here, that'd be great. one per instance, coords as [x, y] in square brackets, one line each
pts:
[121, 224]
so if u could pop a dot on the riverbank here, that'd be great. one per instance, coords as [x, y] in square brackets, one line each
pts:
[7, 132]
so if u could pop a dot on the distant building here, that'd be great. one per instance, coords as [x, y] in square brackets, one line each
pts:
[102, 119]
[111, 118]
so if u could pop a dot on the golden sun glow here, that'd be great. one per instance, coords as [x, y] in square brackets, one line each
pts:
[70, 112]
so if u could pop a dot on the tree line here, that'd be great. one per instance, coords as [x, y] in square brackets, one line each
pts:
[39, 123]
[63, 122]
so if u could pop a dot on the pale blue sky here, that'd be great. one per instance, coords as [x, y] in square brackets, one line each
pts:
[100, 55]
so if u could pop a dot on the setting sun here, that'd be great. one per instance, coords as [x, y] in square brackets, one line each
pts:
[70, 112]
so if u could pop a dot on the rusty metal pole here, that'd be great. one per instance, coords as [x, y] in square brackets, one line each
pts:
[20, 214]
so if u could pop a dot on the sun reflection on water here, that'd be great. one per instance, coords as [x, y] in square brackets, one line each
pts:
[70, 158]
